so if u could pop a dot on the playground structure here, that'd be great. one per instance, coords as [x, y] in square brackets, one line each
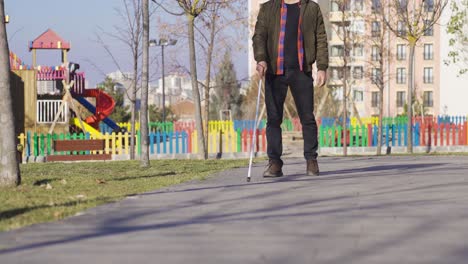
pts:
[44, 95]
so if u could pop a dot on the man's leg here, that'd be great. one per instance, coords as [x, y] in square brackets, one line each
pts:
[275, 94]
[302, 89]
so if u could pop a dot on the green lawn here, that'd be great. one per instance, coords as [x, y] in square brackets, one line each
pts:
[52, 191]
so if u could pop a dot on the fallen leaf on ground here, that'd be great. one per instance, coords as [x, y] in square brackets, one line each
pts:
[100, 181]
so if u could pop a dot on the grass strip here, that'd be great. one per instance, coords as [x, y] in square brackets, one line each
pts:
[53, 191]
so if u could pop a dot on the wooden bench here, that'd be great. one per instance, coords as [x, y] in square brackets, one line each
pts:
[79, 145]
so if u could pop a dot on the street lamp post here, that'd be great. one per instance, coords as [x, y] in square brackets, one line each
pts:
[162, 43]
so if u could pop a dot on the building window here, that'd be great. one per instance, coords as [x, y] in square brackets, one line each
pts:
[429, 5]
[401, 99]
[428, 54]
[376, 5]
[401, 52]
[375, 75]
[358, 5]
[357, 27]
[428, 75]
[428, 99]
[429, 29]
[337, 51]
[334, 6]
[401, 75]
[336, 73]
[401, 28]
[403, 5]
[358, 50]
[375, 99]
[375, 56]
[358, 95]
[375, 29]
[338, 5]
[358, 72]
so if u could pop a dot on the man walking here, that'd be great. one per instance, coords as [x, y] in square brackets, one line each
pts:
[289, 37]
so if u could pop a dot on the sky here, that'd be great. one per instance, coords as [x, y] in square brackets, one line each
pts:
[79, 22]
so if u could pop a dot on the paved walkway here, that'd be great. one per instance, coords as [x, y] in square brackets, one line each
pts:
[361, 210]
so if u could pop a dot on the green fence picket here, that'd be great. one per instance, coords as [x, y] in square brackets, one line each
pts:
[340, 131]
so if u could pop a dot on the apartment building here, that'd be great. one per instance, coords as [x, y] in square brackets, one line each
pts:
[363, 57]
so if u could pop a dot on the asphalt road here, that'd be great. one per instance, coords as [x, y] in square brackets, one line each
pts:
[360, 210]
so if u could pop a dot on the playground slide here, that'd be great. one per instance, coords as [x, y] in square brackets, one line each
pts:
[89, 129]
[104, 107]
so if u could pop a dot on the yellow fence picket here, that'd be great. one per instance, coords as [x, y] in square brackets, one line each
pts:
[127, 143]
[22, 140]
[194, 142]
[113, 139]
[119, 143]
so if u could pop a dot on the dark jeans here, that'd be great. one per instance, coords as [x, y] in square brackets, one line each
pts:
[302, 89]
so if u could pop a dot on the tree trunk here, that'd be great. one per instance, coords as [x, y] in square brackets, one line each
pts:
[379, 132]
[9, 168]
[144, 146]
[345, 115]
[133, 114]
[196, 92]
[208, 76]
[345, 80]
[321, 104]
[409, 107]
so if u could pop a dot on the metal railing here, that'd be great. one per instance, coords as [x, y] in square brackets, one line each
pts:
[48, 109]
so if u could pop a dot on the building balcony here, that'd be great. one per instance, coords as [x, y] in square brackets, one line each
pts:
[337, 17]
[335, 82]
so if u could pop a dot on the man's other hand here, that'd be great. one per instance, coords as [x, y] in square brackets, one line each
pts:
[321, 78]
[261, 68]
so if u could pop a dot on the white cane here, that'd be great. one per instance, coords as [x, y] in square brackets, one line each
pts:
[254, 134]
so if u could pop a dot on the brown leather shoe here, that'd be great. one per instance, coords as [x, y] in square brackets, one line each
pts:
[273, 169]
[312, 168]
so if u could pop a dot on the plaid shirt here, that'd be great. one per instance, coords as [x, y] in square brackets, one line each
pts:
[300, 48]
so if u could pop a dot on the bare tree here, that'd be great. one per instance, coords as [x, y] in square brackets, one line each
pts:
[348, 34]
[411, 22]
[327, 103]
[9, 168]
[379, 74]
[210, 27]
[131, 36]
[457, 28]
[192, 9]
[144, 158]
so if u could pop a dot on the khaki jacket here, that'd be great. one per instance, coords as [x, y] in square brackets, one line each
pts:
[267, 29]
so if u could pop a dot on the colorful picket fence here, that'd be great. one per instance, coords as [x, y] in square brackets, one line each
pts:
[178, 142]
[424, 133]
[213, 125]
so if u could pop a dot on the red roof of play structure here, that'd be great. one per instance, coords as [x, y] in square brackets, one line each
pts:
[49, 40]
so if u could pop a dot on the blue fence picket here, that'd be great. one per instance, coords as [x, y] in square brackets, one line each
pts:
[416, 134]
[158, 142]
[387, 135]
[151, 142]
[375, 136]
[184, 142]
[177, 138]
[28, 143]
[405, 133]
